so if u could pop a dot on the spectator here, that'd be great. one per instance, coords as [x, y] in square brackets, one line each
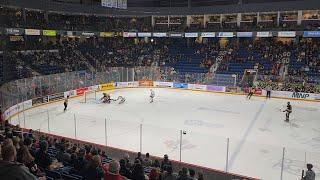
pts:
[10, 169]
[165, 163]
[80, 163]
[184, 175]
[124, 170]
[42, 157]
[310, 175]
[192, 174]
[154, 174]
[147, 162]
[200, 176]
[28, 160]
[113, 171]
[94, 170]
[139, 157]
[63, 156]
[137, 172]
[168, 175]
[156, 164]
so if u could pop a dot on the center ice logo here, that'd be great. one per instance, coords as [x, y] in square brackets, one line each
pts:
[173, 145]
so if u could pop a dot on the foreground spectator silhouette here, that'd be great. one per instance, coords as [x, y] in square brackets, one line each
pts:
[9, 169]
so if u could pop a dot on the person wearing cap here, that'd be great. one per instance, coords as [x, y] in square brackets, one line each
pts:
[310, 175]
[165, 163]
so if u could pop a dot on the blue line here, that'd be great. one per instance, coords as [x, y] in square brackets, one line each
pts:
[245, 135]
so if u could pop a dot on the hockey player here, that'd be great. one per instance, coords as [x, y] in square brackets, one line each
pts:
[105, 98]
[65, 103]
[122, 99]
[288, 111]
[250, 93]
[268, 89]
[152, 94]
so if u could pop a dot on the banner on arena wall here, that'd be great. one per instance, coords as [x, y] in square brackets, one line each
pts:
[158, 34]
[244, 34]
[49, 32]
[106, 34]
[55, 97]
[24, 105]
[264, 34]
[162, 84]
[94, 88]
[144, 34]
[180, 85]
[16, 38]
[208, 34]
[176, 35]
[127, 84]
[129, 34]
[10, 111]
[107, 86]
[225, 34]
[88, 34]
[287, 34]
[71, 93]
[27, 104]
[216, 88]
[257, 91]
[81, 91]
[70, 33]
[14, 31]
[311, 34]
[6, 114]
[145, 83]
[294, 95]
[32, 32]
[191, 35]
[233, 89]
[197, 86]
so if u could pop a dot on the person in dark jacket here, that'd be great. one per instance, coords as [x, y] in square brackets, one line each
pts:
[184, 175]
[42, 158]
[165, 163]
[310, 175]
[137, 173]
[168, 175]
[124, 171]
[94, 170]
[13, 170]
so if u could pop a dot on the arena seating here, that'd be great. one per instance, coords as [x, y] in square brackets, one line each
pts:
[75, 160]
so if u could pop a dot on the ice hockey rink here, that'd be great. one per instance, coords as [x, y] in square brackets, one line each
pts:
[256, 129]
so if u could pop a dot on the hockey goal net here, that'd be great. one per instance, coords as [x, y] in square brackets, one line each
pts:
[89, 96]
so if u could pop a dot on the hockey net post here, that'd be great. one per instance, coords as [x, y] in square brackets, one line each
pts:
[90, 95]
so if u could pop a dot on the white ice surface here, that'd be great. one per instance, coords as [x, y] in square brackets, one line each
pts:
[256, 128]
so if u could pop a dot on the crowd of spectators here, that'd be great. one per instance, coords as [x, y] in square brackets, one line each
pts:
[289, 86]
[30, 155]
